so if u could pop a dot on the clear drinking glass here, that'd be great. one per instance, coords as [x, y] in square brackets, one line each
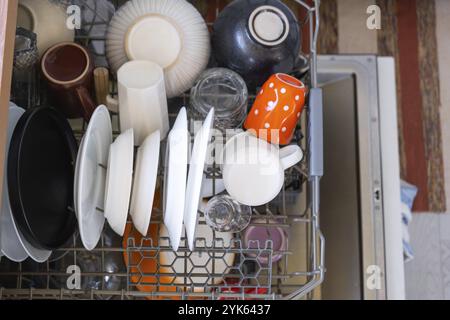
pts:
[224, 214]
[226, 92]
[25, 84]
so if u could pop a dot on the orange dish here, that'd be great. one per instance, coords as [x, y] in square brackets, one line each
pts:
[147, 261]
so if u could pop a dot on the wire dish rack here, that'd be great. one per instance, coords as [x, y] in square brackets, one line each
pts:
[220, 267]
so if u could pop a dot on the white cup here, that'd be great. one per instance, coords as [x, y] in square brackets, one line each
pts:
[142, 99]
[253, 169]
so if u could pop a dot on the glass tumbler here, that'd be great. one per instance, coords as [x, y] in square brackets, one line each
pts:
[224, 214]
[25, 84]
[226, 92]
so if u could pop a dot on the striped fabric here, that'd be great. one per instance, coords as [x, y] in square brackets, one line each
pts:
[417, 34]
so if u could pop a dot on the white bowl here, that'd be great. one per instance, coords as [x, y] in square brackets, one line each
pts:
[46, 19]
[171, 33]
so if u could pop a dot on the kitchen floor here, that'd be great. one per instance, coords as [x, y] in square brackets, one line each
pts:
[428, 275]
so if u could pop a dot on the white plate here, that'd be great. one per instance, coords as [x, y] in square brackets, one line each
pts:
[75, 178]
[200, 262]
[194, 182]
[90, 177]
[171, 33]
[175, 178]
[11, 246]
[119, 178]
[145, 177]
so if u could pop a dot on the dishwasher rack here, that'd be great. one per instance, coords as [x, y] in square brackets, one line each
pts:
[102, 272]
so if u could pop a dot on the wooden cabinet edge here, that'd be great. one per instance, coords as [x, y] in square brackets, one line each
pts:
[8, 18]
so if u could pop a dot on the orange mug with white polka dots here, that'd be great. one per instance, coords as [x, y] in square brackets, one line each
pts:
[277, 109]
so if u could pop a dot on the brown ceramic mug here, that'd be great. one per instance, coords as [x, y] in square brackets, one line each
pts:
[68, 70]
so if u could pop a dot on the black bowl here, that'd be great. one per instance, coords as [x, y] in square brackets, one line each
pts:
[40, 178]
[256, 39]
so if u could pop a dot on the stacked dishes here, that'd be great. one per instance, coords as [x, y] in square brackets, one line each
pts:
[37, 213]
[178, 196]
[40, 178]
[171, 33]
[104, 179]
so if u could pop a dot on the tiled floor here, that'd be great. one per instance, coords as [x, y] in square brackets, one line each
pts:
[428, 275]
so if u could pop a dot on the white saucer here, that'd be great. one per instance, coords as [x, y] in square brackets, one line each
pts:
[194, 182]
[145, 177]
[11, 245]
[119, 178]
[175, 178]
[90, 177]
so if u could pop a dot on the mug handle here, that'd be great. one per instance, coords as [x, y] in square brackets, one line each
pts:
[290, 156]
[86, 102]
